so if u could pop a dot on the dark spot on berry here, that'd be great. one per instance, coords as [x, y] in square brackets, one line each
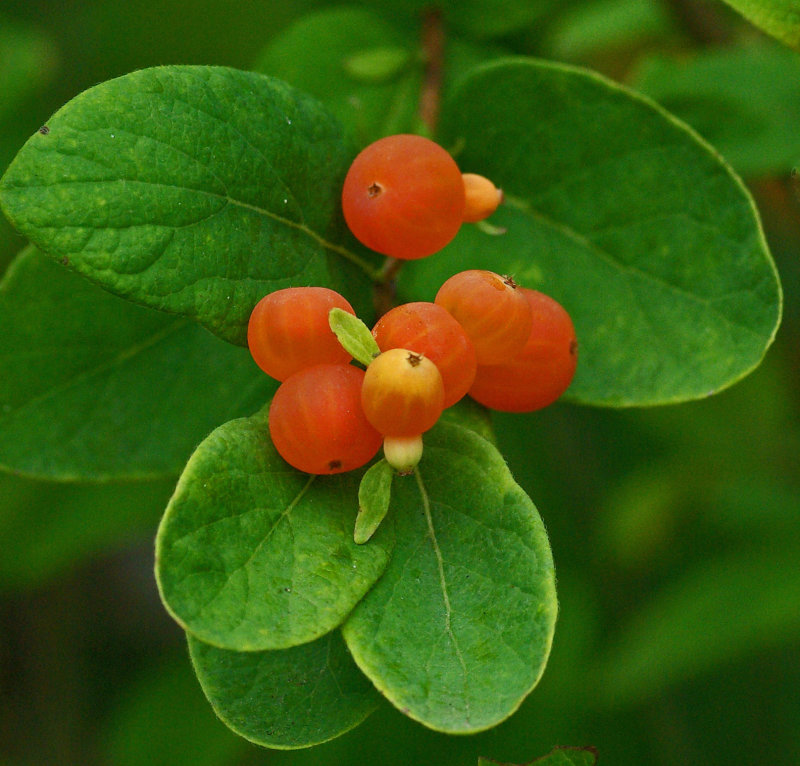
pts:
[414, 359]
[573, 347]
[374, 190]
[334, 464]
[44, 130]
[510, 281]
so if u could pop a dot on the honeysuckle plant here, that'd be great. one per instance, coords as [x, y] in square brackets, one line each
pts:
[162, 205]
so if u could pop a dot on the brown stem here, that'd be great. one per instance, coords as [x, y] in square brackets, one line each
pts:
[385, 290]
[433, 52]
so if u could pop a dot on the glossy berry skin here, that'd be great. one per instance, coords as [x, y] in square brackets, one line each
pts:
[481, 197]
[316, 421]
[289, 331]
[404, 197]
[492, 311]
[430, 330]
[544, 368]
[403, 394]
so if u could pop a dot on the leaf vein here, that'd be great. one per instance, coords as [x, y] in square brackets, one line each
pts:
[117, 359]
[426, 507]
[244, 565]
[570, 233]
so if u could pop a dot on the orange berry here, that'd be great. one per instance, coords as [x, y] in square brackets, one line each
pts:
[316, 421]
[430, 330]
[403, 394]
[404, 197]
[289, 331]
[492, 311]
[481, 197]
[542, 371]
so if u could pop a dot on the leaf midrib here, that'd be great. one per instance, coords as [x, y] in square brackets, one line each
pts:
[319, 239]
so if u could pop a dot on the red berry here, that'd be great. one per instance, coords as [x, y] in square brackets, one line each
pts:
[404, 197]
[429, 330]
[482, 197]
[289, 330]
[403, 394]
[544, 368]
[316, 421]
[492, 311]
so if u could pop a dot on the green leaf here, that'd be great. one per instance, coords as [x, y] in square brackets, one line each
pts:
[721, 610]
[600, 27]
[469, 414]
[354, 336]
[95, 388]
[327, 53]
[286, 699]
[745, 100]
[252, 554]
[378, 64]
[317, 54]
[49, 528]
[457, 631]
[194, 190]
[560, 756]
[374, 495]
[780, 18]
[636, 226]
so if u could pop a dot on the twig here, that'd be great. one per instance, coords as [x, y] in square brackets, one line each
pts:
[385, 291]
[433, 53]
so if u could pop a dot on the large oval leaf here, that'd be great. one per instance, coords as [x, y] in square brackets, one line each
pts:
[194, 190]
[366, 70]
[252, 554]
[319, 54]
[289, 698]
[458, 629]
[781, 18]
[744, 99]
[626, 217]
[95, 388]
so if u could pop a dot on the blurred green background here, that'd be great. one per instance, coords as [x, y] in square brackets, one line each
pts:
[675, 530]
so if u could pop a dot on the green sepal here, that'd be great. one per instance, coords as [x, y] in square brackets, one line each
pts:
[354, 336]
[374, 495]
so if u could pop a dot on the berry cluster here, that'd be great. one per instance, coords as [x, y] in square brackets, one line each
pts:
[509, 348]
